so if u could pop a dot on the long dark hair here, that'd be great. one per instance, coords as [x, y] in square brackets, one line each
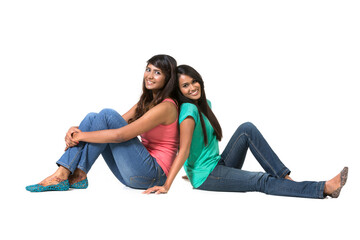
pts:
[167, 65]
[201, 103]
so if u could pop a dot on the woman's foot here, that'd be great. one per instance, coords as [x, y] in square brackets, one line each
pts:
[78, 176]
[59, 176]
[288, 178]
[334, 186]
[56, 182]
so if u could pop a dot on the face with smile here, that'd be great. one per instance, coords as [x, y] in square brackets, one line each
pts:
[154, 78]
[189, 87]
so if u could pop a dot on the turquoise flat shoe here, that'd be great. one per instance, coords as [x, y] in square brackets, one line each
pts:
[62, 186]
[80, 185]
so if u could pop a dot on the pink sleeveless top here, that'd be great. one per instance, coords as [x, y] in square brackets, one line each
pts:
[162, 142]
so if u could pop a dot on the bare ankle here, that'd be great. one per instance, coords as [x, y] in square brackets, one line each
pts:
[62, 173]
[79, 173]
[77, 176]
[332, 184]
[326, 188]
[288, 177]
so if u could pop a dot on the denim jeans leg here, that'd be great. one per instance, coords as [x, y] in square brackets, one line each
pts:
[129, 161]
[135, 164]
[85, 154]
[70, 159]
[110, 161]
[105, 119]
[228, 179]
[248, 136]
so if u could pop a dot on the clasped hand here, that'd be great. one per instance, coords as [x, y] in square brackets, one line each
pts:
[70, 137]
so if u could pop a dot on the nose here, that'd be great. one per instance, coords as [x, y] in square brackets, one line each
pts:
[192, 87]
[151, 75]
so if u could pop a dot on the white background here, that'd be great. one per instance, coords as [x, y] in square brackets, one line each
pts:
[290, 67]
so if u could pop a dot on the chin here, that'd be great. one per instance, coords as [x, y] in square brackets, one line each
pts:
[194, 99]
[150, 87]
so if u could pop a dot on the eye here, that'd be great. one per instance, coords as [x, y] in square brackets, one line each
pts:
[157, 72]
[185, 85]
[147, 70]
[194, 81]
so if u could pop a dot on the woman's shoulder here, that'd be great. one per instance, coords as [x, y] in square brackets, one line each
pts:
[170, 100]
[188, 109]
[187, 106]
[191, 106]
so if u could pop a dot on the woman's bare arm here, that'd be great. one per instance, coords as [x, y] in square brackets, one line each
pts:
[163, 113]
[186, 131]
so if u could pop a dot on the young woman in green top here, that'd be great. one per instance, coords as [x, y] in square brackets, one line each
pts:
[206, 169]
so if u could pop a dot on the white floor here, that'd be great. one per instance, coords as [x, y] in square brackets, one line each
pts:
[109, 210]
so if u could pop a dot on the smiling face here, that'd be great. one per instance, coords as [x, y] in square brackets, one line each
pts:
[154, 78]
[189, 87]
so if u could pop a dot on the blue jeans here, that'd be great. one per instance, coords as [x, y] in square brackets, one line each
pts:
[228, 176]
[129, 161]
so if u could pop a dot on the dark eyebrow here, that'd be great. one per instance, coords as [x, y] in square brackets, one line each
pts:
[155, 69]
[184, 83]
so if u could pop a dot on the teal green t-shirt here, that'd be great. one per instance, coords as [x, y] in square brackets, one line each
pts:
[202, 159]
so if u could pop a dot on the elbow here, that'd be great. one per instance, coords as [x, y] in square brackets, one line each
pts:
[119, 138]
[184, 154]
[187, 153]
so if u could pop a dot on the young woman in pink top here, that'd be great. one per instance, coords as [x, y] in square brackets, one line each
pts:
[135, 164]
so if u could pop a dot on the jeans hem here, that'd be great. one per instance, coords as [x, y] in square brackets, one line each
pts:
[321, 190]
[82, 169]
[65, 166]
[285, 171]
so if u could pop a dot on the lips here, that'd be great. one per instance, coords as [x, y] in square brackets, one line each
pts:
[195, 93]
[149, 82]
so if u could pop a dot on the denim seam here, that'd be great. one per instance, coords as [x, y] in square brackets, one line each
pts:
[283, 174]
[82, 168]
[64, 165]
[219, 178]
[139, 155]
[263, 158]
[143, 177]
[159, 175]
[232, 147]
[80, 149]
[133, 178]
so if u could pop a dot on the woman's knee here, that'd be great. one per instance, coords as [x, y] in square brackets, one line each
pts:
[247, 127]
[112, 118]
[108, 112]
[88, 119]
[91, 115]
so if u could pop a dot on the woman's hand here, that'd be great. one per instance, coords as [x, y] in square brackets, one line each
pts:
[69, 137]
[156, 190]
[186, 131]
